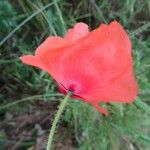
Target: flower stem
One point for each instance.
(56, 119)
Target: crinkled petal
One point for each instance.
(78, 31)
(99, 67)
(95, 66)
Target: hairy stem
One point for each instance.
(56, 119)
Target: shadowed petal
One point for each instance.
(100, 109)
(121, 89)
(99, 67)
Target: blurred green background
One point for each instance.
(29, 97)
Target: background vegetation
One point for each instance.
(29, 97)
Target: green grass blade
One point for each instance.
(26, 20)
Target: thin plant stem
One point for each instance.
(61, 17)
(140, 29)
(56, 119)
(35, 97)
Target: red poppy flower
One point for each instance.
(95, 66)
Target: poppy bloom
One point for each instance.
(94, 66)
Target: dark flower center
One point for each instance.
(71, 89)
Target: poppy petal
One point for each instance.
(123, 89)
(95, 66)
(100, 109)
(51, 43)
(47, 54)
(99, 67)
(78, 31)
(29, 59)
(32, 60)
